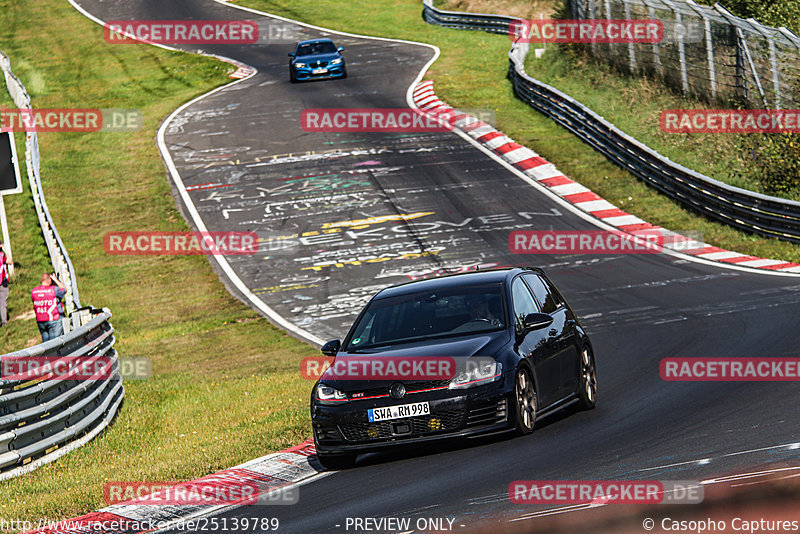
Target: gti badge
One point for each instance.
(397, 391)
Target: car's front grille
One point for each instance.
(487, 413)
(411, 387)
(318, 64)
(440, 421)
(426, 384)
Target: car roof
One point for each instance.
(463, 279)
(312, 41)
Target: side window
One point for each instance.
(523, 302)
(544, 296)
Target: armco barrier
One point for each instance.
(42, 420)
(746, 210)
(466, 21)
(58, 253)
(38, 420)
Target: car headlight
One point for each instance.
(477, 373)
(300, 65)
(336, 61)
(328, 395)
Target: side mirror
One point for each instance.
(340, 49)
(332, 347)
(536, 321)
(291, 54)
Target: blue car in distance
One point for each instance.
(316, 59)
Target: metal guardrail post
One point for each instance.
(773, 60)
(712, 74)
(592, 16)
(752, 65)
(681, 46)
(656, 53)
(631, 49)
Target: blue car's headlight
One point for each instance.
(477, 372)
(328, 395)
(300, 65)
(336, 61)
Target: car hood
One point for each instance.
(317, 57)
(485, 344)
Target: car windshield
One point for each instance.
(429, 314)
(312, 49)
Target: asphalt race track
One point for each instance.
(424, 202)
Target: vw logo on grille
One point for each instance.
(397, 391)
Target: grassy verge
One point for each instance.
(471, 73)
(225, 387)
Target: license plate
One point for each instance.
(398, 412)
(319, 71)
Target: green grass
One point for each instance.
(471, 73)
(634, 105)
(226, 386)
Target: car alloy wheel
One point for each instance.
(588, 385)
(525, 402)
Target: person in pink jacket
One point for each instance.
(48, 305)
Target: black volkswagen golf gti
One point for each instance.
(505, 350)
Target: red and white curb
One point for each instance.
(545, 173)
(277, 471)
(242, 70)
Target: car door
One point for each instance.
(533, 345)
(562, 335)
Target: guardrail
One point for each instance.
(43, 419)
(466, 21)
(55, 247)
(746, 210)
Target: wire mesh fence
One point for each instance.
(706, 53)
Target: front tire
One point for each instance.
(524, 402)
(587, 393)
(334, 462)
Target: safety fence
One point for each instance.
(713, 55)
(55, 247)
(43, 418)
(746, 210)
